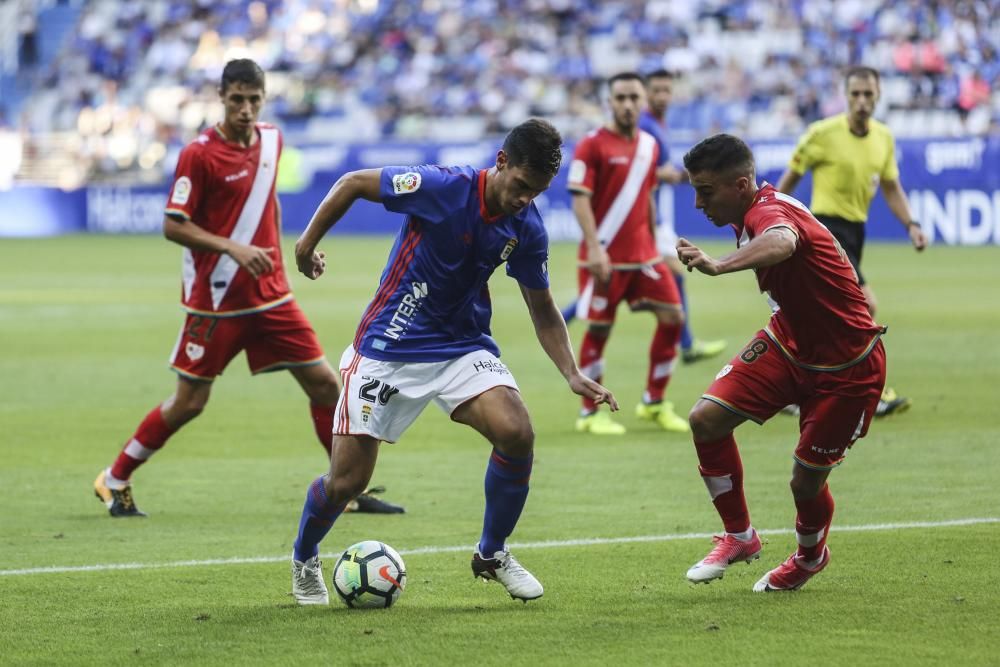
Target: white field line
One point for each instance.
(553, 544)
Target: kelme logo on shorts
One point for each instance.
(404, 183)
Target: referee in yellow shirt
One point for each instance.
(851, 155)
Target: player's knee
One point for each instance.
(599, 330)
(343, 488)
(704, 427)
(806, 486)
(325, 392)
(514, 438)
(186, 410)
(670, 316)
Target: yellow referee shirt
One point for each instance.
(846, 168)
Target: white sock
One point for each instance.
(113, 482)
(810, 564)
(745, 536)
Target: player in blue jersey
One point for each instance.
(653, 119)
(425, 336)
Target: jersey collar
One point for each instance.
(482, 200)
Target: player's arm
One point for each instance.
(900, 207)
(598, 261)
(772, 247)
(668, 173)
(352, 186)
(652, 213)
(789, 181)
(554, 339)
(256, 260)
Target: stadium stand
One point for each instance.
(107, 89)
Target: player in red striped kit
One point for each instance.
(222, 208)
(612, 180)
(820, 350)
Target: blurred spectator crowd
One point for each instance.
(134, 79)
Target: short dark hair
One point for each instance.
(242, 70)
(536, 145)
(719, 153)
(626, 76)
(659, 74)
(863, 71)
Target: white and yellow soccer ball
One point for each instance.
(369, 574)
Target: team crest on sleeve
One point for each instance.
(182, 191)
(507, 249)
(405, 183)
(577, 170)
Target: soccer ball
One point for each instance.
(369, 574)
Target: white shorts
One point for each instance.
(666, 239)
(382, 398)
(666, 233)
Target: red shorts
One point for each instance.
(274, 339)
(651, 287)
(835, 407)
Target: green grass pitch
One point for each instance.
(86, 324)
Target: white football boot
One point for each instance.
(308, 586)
(503, 567)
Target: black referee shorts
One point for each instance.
(851, 236)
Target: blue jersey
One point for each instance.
(433, 303)
(650, 123)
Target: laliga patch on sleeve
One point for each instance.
(405, 183)
(577, 171)
(182, 190)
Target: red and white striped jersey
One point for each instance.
(619, 174)
(228, 190)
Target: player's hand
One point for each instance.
(599, 263)
(312, 264)
(584, 386)
(694, 257)
(917, 237)
(256, 260)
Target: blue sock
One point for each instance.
(506, 490)
(569, 312)
(317, 520)
(687, 340)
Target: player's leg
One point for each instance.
(692, 349)
(500, 416)
(569, 312)
(113, 485)
(654, 289)
(832, 420)
(752, 386)
(722, 472)
(284, 339)
(321, 385)
(597, 305)
(378, 402)
(204, 347)
(352, 463)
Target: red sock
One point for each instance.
(149, 437)
(722, 471)
(812, 524)
(323, 423)
(662, 357)
(592, 362)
